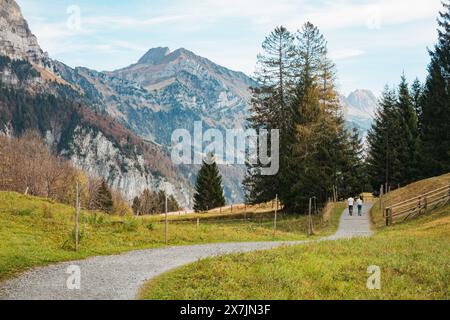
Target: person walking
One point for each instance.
(351, 204)
(360, 206)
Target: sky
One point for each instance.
(372, 42)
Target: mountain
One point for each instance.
(183, 88)
(16, 39)
(34, 94)
(122, 129)
(359, 109)
(165, 91)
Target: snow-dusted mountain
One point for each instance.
(359, 109)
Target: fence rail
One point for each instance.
(413, 207)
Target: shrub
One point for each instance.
(22, 212)
(130, 224)
(47, 212)
(96, 220)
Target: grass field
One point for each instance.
(414, 259)
(408, 192)
(35, 232)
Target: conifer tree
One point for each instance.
(436, 108)
(271, 107)
(354, 177)
(383, 161)
(408, 138)
(208, 188)
(417, 90)
(136, 206)
(313, 136)
(104, 198)
(310, 170)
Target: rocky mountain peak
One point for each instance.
(155, 56)
(364, 100)
(16, 40)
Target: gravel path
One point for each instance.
(120, 277)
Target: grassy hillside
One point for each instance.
(36, 231)
(414, 259)
(406, 193)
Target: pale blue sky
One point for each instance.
(371, 41)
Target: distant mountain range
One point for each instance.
(359, 109)
(129, 114)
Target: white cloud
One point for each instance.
(343, 54)
(110, 22)
(371, 15)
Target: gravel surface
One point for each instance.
(120, 277)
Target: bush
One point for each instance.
(47, 212)
(22, 212)
(150, 227)
(96, 220)
(130, 225)
(69, 244)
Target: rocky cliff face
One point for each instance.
(97, 155)
(16, 39)
(36, 96)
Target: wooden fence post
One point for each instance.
(77, 208)
(166, 231)
(389, 217)
(275, 221)
(309, 218)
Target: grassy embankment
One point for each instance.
(414, 258)
(35, 232)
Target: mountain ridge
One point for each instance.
(38, 93)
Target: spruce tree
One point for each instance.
(407, 139)
(308, 113)
(104, 198)
(354, 177)
(208, 189)
(382, 160)
(417, 90)
(271, 107)
(436, 107)
(136, 206)
(310, 170)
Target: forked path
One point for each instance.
(120, 277)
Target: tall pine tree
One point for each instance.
(310, 170)
(271, 107)
(417, 90)
(308, 113)
(407, 140)
(436, 107)
(382, 159)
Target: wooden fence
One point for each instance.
(413, 207)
